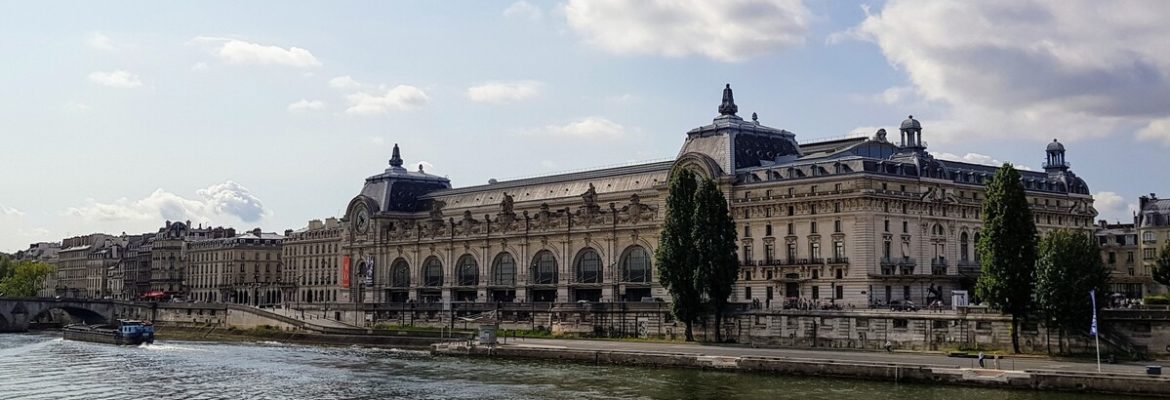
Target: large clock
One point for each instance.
(361, 219)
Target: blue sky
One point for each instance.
(118, 116)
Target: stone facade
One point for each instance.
(84, 264)
(312, 265)
(242, 269)
(1119, 252)
(1153, 225)
(169, 260)
(851, 222)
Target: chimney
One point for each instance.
(1102, 223)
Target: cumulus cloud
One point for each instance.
(730, 31)
(1011, 68)
(588, 127)
(17, 232)
(115, 79)
(976, 158)
(344, 82)
(215, 202)
(306, 105)
(1156, 130)
(100, 41)
(504, 92)
(399, 98)
(239, 52)
(5, 210)
(523, 9)
(1113, 207)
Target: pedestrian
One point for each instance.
(889, 346)
(981, 359)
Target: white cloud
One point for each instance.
(1012, 68)
(504, 92)
(377, 140)
(214, 203)
(199, 66)
(100, 41)
(1113, 207)
(976, 158)
(1156, 130)
(624, 98)
(234, 51)
(344, 82)
(523, 9)
(116, 79)
(306, 105)
(400, 98)
(77, 106)
(589, 127)
(730, 30)
(5, 210)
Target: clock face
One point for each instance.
(361, 219)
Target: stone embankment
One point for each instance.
(1070, 381)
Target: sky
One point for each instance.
(118, 116)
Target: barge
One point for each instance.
(122, 332)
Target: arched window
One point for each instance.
(433, 272)
(964, 247)
(467, 271)
(636, 265)
(977, 256)
(588, 266)
(544, 268)
(504, 270)
(400, 274)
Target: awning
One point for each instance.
(154, 294)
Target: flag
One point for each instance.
(1093, 297)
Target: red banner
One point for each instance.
(345, 272)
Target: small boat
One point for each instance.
(123, 331)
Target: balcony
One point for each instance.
(839, 260)
(816, 261)
(907, 262)
(939, 262)
(886, 262)
(795, 261)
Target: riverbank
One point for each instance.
(262, 333)
(1031, 374)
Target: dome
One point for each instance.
(911, 123)
(1055, 146)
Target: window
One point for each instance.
(636, 265)
(1129, 257)
(904, 209)
(838, 250)
(815, 250)
(467, 271)
(747, 276)
(837, 226)
(433, 272)
(747, 231)
(816, 292)
(1112, 258)
(768, 293)
(840, 273)
(901, 323)
(747, 254)
(812, 208)
(588, 266)
(504, 270)
(816, 274)
(544, 268)
(813, 227)
(400, 274)
(840, 293)
(747, 292)
(768, 230)
(769, 252)
(906, 292)
(886, 250)
(813, 189)
(905, 227)
(964, 247)
(837, 207)
(791, 253)
(791, 229)
(886, 225)
(791, 211)
(837, 187)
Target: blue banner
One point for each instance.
(1093, 328)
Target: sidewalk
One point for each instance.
(1008, 363)
(311, 317)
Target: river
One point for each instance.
(43, 366)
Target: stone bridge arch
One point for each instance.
(17, 313)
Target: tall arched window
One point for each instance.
(504, 270)
(467, 271)
(433, 272)
(977, 256)
(964, 247)
(588, 266)
(636, 265)
(400, 274)
(544, 268)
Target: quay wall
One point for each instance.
(1136, 385)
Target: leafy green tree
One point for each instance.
(714, 238)
(1069, 266)
(676, 255)
(1007, 248)
(25, 280)
(1162, 266)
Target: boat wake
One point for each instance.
(165, 347)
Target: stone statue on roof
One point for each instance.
(506, 204)
(590, 196)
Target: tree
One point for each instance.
(1069, 266)
(676, 254)
(714, 237)
(1007, 248)
(1162, 266)
(25, 279)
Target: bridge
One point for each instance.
(17, 313)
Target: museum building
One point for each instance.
(851, 222)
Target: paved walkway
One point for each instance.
(319, 318)
(1022, 363)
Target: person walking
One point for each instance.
(981, 359)
(889, 346)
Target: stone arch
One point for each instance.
(701, 164)
(85, 315)
(503, 269)
(466, 271)
(636, 265)
(432, 272)
(400, 273)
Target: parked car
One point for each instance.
(903, 305)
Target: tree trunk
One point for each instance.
(1015, 334)
(718, 326)
(690, 332)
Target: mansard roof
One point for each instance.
(552, 187)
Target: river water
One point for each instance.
(43, 366)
